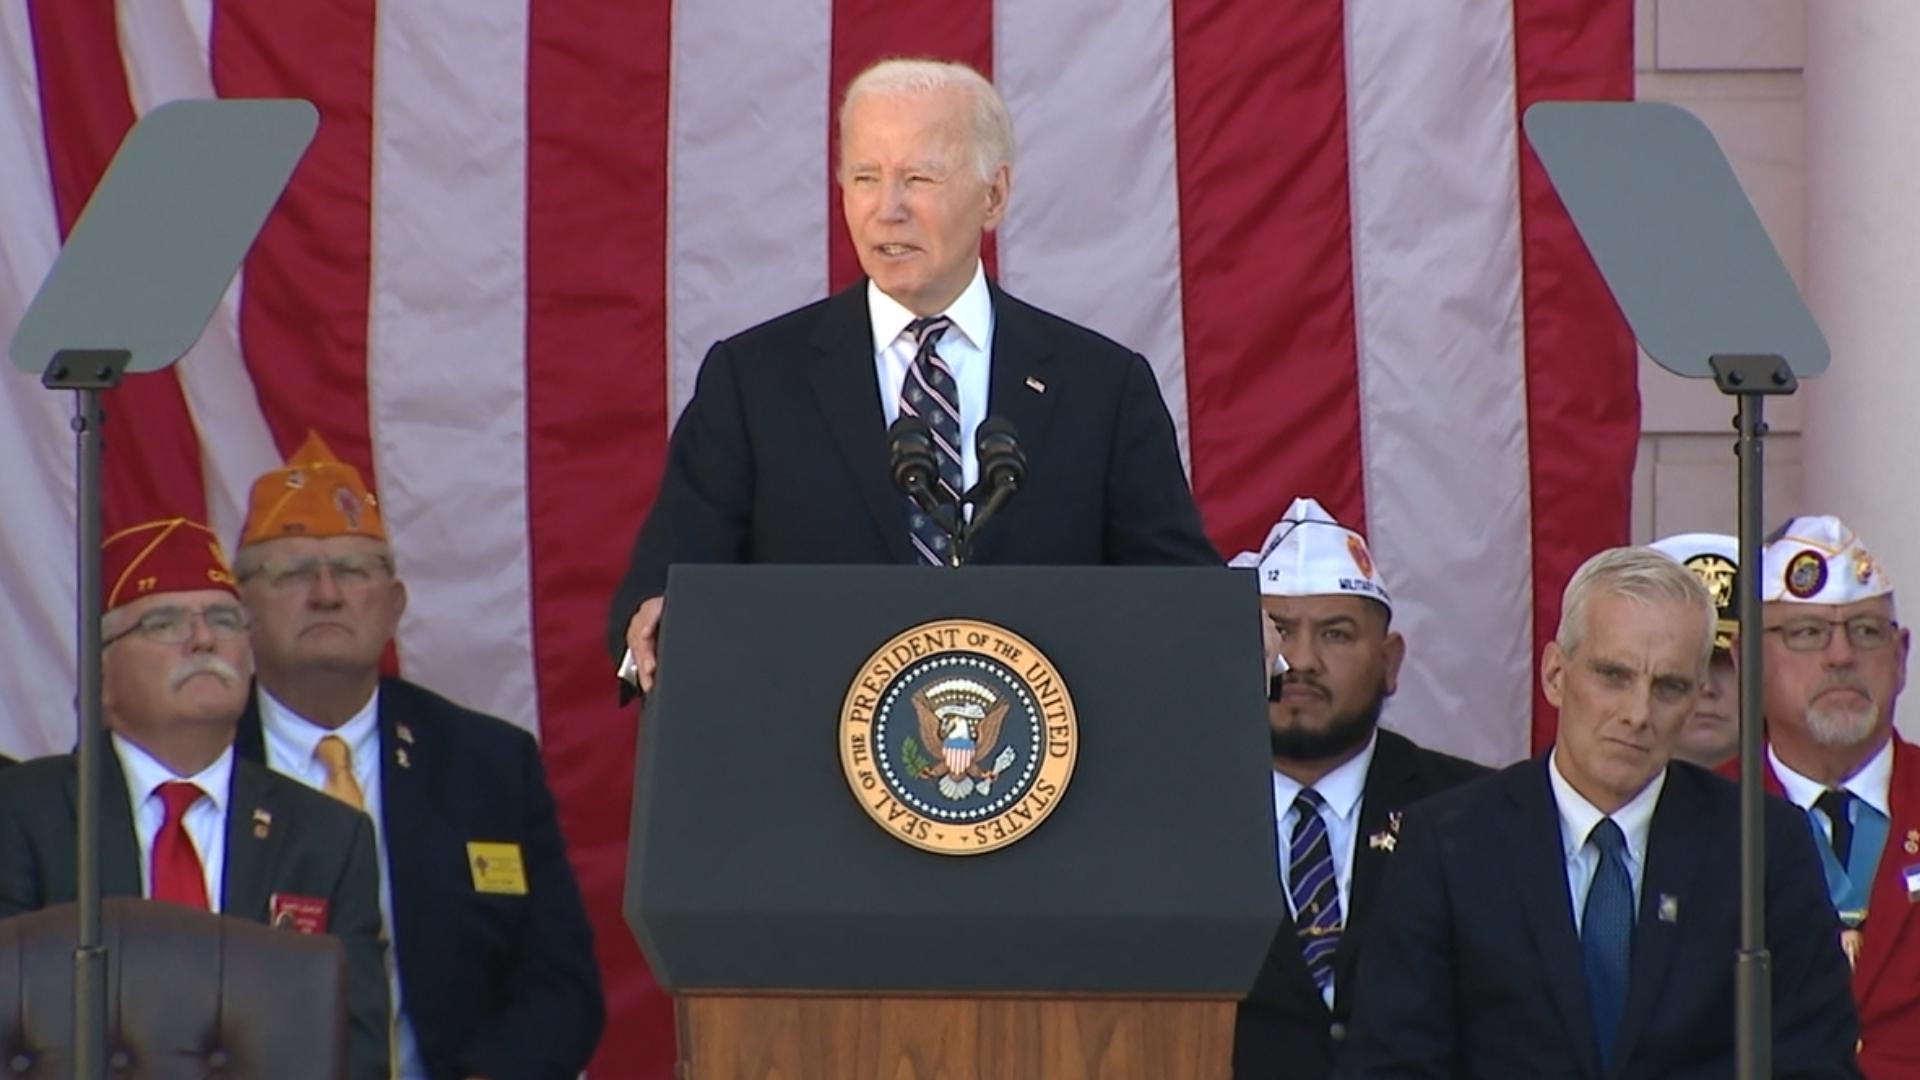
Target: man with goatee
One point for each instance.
(1341, 785)
(1834, 660)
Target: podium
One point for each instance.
(820, 735)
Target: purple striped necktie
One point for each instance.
(930, 393)
(1314, 888)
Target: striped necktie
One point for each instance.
(930, 393)
(1315, 891)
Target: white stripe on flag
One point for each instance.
(446, 358)
(747, 189)
(1093, 226)
(38, 636)
(165, 46)
(1436, 212)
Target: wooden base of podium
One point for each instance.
(756, 1037)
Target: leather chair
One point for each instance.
(189, 995)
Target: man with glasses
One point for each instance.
(494, 973)
(1834, 660)
(182, 821)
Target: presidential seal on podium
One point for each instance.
(958, 737)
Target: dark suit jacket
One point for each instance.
(781, 456)
(314, 847)
(495, 985)
(1284, 1028)
(1473, 968)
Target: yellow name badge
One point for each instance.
(497, 868)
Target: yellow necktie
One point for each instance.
(338, 759)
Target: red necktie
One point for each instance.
(177, 877)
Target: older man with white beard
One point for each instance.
(1834, 660)
(182, 821)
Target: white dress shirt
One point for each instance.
(1872, 785)
(206, 819)
(291, 741)
(967, 349)
(1577, 819)
(1341, 789)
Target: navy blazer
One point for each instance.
(1284, 1028)
(781, 456)
(314, 846)
(495, 985)
(1473, 968)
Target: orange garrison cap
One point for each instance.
(168, 555)
(315, 494)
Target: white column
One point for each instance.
(1861, 440)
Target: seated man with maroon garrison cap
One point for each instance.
(182, 820)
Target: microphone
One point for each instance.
(915, 471)
(1003, 468)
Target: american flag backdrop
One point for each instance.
(522, 222)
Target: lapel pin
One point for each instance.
(262, 823)
(1669, 908)
(400, 758)
(1388, 838)
(405, 733)
(1036, 385)
(1912, 845)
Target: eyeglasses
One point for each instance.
(174, 625)
(1864, 632)
(347, 571)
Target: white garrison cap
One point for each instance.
(1715, 559)
(1818, 560)
(1307, 553)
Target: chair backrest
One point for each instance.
(189, 994)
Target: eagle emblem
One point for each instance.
(959, 728)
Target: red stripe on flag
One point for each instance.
(598, 81)
(1583, 399)
(151, 467)
(865, 31)
(1273, 401)
(303, 312)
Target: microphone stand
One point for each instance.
(998, 489)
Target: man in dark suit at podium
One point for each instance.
(1578, 914)
(1341, 786)
(781, 456)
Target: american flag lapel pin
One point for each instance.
(262, 824)
(1036, 385)
(1669, 908)
(404, 732)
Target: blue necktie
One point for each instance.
(1833, 802)
(1606, 934)
(1315, 892)
(929, 393)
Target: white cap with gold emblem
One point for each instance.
(1308, 553)
(1818, 560)
(1715, 559)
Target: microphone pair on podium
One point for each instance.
(916, 472)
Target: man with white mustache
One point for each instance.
(1834, 660)
(183, 821)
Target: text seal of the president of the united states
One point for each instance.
(958, 736)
